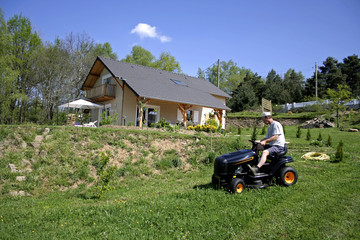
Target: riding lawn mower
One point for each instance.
(232, 170)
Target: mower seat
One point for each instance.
(282, 153)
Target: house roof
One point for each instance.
(158, 84)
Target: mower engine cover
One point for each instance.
(228, 163)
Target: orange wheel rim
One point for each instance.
(289, 177)
(239, 188)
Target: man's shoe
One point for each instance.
(254, 170)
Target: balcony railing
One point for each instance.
(103, 92)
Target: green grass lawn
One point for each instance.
(149, 202)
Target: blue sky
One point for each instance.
(257, 34)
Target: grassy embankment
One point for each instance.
(162, 188)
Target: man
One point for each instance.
(273, 143)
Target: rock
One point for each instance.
(46, 131)
(17, 193)
(26, 162)
(23, 145)
(35, 145)
(317, 123)
(13, 168)
(20, 178)
(39, 138)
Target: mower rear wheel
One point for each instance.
(237, 185)
(288, 176)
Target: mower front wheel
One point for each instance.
(237, 185)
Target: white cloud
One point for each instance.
(144, 30)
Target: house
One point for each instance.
(142, 94)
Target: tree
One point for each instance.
(331, 73)
(82, 51)
(167, 62)
(338, 98)
(230, 75)
(143, 57)
(53, 72)
(293, 83)
(243, 98)
(8, 88)
(140, 56)
(257, 84)
(274, 89)
(24, 44)
(351, 69)
(105, 50)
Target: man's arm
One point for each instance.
(265, 141)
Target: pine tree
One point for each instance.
(339, 155)
(298, 133)
(308, 135)
(239, 130)
(254, 133)
(319, 137)
(329, 141)
(263, 130)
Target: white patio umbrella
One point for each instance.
(81, 104)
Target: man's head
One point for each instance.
(266, 117)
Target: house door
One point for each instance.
(151, 114)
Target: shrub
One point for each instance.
(212, 122)
(263, 130)
(130, 124)
(308, 135)
(105, 173)
(210, 158)
(107, 120)
(339, 155)
(239, 130)
(204, 128)
(329, 141)
(298, 133)
(319, 137)
(254, 133)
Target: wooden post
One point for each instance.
(184, 108)
(219, 115)
(142, 104)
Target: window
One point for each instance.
(106, 79)
(178, 82)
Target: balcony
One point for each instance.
(101, 93)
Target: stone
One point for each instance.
(46, 131)
(317, 123)
(13, 168)
(26, 162)
(35, 145)
(17, 193)
(20, 178)
(23, 145)
(39, 138)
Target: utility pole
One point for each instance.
(316, 83)
(218, 75)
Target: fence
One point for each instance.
(354, 103)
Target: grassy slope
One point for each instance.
(175, 203)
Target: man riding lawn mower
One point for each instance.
(245, 168)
